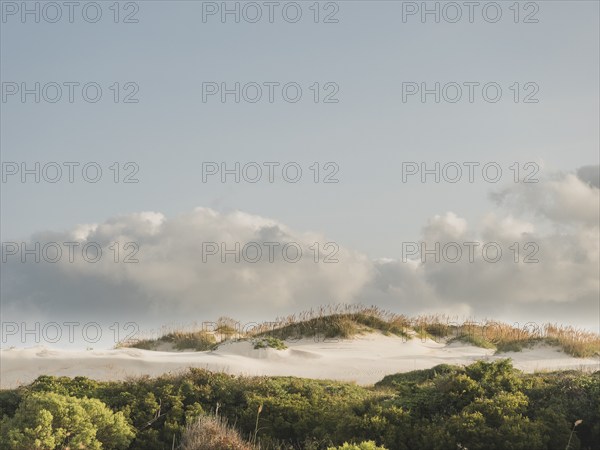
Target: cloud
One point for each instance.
(172, 281)
(590, 175)
(571, 198)
(552, 230)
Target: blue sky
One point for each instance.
(369, 133)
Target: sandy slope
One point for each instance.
(365, 360)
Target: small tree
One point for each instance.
(48, 421)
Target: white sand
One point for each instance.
(364, 360)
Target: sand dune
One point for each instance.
(365, 360)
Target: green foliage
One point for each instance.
(495, 377)
(512, 346)
(54, 421)
(269, 342)
(481, 406)
(417, 376)
(9, 402)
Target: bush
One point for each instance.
(418, 376)
(47, 421)
(212, 433)
(269, 342)
(480, 406)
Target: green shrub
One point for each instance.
(486, 405)
(517, 345)
(47, 421)
(269, 342)
(418, 376)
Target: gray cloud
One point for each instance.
(172, 283)
(590, 174)
(562, 198)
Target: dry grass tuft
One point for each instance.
(573, 341)
(212, 433)
(506, 338)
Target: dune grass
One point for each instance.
(573, 341)
(339, 321)
(513, 338)
(347, 321)
(477, 341)
(180, 340)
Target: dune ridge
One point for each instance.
(364, 359)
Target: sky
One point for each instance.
(360, 128)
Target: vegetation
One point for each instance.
(477, 341)
(481, 406)
(340, 321)
(507, 338)
(212, 433)
(346, 321)
(46, 420)
(178, 340)
(269, 342)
